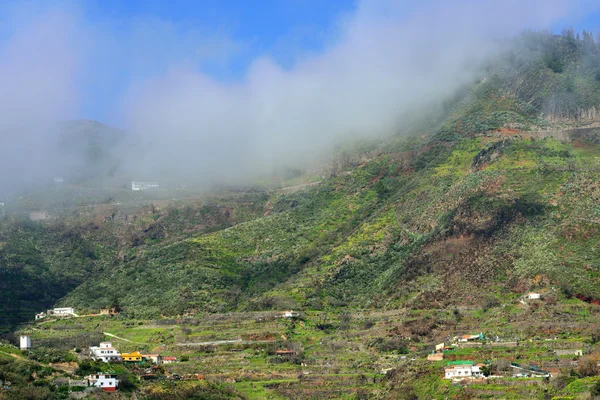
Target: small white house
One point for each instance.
(41, 315)
(143, 185)
(290, 314)
(105, 352)
(462, 370)
(108, 382)
(61, 312)
(533, 296)
(25, 342)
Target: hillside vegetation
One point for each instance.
(499, 198)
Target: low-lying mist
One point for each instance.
(383, 66)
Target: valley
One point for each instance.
(454, 259)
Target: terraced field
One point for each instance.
(353, 354)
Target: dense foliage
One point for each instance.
(481, 202)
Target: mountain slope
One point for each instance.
(483, 204)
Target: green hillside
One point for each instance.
(455, 206)
(499, 198)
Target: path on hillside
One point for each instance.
(212, 343)
(22, 358)
(219, 342)
(295, 188)
(15, 356)
(123, 339)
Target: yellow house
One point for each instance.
(135, 356)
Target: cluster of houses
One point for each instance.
(107, 353)
(70, 312)
(469, 370)
(57, 312)
(461, 370)
(438, 354)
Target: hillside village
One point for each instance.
(295, 348)
(455, 261)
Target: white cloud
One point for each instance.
(386, 60)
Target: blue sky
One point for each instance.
(284, 30)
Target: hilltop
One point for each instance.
(424, 235)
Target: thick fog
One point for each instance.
(382, 65)
(38, 65)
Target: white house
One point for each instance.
(105, 352)
(290, 314)
(61, 312)
(25, 342)
(108, 382)
(143, 185)
(40, 315)
(533, 296)
(462, 369)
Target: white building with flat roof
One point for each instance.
(105, 352)
(461, 370)
(290, 314)
(144, 185)
(64, 311)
